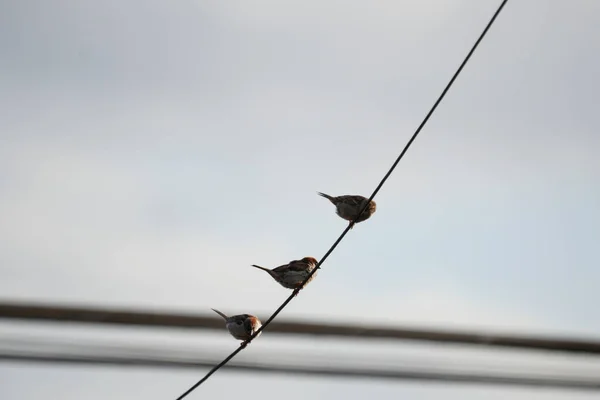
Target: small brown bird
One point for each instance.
(349, 206)
(292, 274)
(242, 326)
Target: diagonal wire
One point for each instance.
(339, 239)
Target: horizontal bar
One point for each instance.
(390, 375)
(38, 312)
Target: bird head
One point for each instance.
(373, 206)
(310, 260)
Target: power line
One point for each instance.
(339, 239)
(64, 314)
(397, 374)
(459, 362)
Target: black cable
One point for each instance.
(37, 312)
(339, 239)
(554, 381)
(207, 356)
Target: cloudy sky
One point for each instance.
(151, 151)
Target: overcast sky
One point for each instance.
(150, 151)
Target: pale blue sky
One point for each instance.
(151, 151)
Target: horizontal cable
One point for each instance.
(537, 381)
(38, 312)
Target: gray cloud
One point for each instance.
(151, 152)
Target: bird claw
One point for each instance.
(244, 344)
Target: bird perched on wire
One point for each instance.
(348, 207)
(293, 274)
(242, 326)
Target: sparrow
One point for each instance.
(293, 274)
(348, 207)
(242, 326)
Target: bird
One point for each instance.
(348, 207)
(294, 273)
(242, 326)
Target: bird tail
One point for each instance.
(220, 313)
(330, 198)
(263, 268)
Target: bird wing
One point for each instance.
(352, 200)
(296, 266)
(281, 268)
